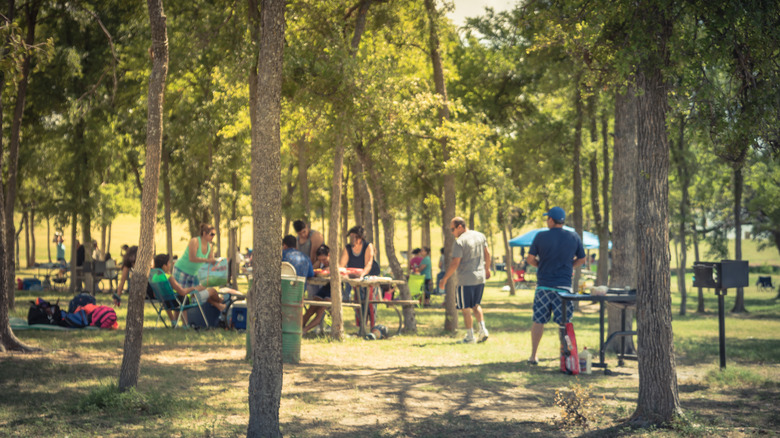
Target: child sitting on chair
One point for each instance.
(210, 295)
(323, 294)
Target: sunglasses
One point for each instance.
(212, 234)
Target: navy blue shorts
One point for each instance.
(324, 292)
(467, 297)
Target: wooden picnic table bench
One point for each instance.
(362, 283)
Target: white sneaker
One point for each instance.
(482, 336)
(468, 340)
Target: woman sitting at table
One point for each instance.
(359, 254)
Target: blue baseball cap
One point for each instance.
(556, 213)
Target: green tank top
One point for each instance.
(185, 265)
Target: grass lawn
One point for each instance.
(194, 383)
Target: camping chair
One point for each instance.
(417, 288)
(111, 274)
(167, 296)
(60, 280)
(764, 284)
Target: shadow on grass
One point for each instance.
(698, 350)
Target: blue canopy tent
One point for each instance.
(589, 240)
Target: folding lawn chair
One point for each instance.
(169, 299)
(417, 288)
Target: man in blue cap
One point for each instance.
(555, 252)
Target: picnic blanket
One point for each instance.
(21, 324)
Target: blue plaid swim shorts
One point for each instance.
(547, 302)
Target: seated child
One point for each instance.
(323, 294)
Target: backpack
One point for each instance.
(42, 312)
(77, 319)
(104, 317)
(80, 300)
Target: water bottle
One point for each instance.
(586, 361)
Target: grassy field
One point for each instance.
(194, 383)
(126, 231)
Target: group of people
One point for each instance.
(307, 251)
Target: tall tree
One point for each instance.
(131, 359)
(448, 204)
(265, 381)
(658, 402)
(31, 15)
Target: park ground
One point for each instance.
(194, 383)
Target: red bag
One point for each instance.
(570, 359)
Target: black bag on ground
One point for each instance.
(42, 312)
(80, 300)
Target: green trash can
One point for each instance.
(292, 314)
(292, 319)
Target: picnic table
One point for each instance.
(625, 299)
(362, 297)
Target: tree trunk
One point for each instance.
(48, 238)
(377, 239)
(233, 244)
(448, 204)
(31, 12)
(303, 176)
(108, 244)
(425, 228)
(658, 402)
(31, 228)
(265, 381)
(74, 278)
(357, 194)
(508, 262)
(131, 359)
(166, 180)
(216, 210)
(594, 202)
(603, 263)
(409, 243)
(22, 227)
(410, 323)
(344, 211)
(103, 239)
(624, 250)
(680, 160)
(577, 172)
(739, 300)
(28, 262)
(472, 212)
(700, 296)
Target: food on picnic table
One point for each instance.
(321, 272)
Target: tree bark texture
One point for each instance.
(623, 272)
(31, 12)
(448, 204)
(265, 381)
(658, 402)
(131, 359)
(700, 292)
(233, 244)
(388, 223)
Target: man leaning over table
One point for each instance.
(555, 252)
(470, 259)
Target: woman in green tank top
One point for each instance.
(198, 251)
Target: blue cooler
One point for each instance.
(238, 316)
